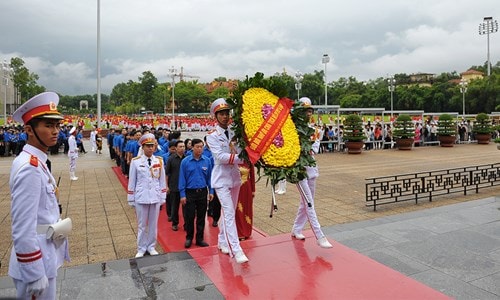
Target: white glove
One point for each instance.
(37, 287)
(131, 204)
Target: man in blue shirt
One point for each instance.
(194, 187)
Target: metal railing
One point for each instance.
(427, 185)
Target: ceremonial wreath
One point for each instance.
(272, 129)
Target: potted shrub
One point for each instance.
(446, 130)
(353, 134)
(404, 131)
(482, 128)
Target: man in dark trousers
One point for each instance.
(172, 170)
(195, 189)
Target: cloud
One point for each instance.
(365, 39)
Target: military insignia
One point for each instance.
(52, 106)
(34, 161)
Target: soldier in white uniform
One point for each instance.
(307, 189)
(226, 178)
(35, 259)
(93, 135)
(72, 153)
(147, 189)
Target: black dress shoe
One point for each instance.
(188, 243)
(202, 244)
(170, 219)
(214, 224)
(175, 228)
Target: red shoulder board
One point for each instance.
(211, 131)
(34, 161)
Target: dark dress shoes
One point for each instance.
(202, 244)
(188, 243)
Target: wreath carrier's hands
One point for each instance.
(37, 287)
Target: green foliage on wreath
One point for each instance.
(276, 86)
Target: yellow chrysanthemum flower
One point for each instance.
(285, 149)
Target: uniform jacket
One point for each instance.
(73, 149)
(226, 171)
(147, 185)
(34, 202)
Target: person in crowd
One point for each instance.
(172, 170)
(166, 155)
(92, 139)
(226, 178)
(307, 189)
(195, 189)
(79, 141)
(147, 188)
(109, 138)
(189, 146)
(72, 153)
(34, 258)
(2, 141)
(23, 137)
(98, 141)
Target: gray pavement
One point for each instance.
(451, 244)
(454, 249)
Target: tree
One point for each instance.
(220, 92)
(147, 85)
(24, 81)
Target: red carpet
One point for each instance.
(283, 268)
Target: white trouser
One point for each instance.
(147, 223)
(48, 294)
(72, 163)
(228, 234)
(305, 212)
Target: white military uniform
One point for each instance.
(34, 204)
(308, 186)
(93, 141)
(147, 190)
(73, 155)
(226, 180)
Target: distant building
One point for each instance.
(7, 89)
(230, 84)
(422, 79)
(471, 75)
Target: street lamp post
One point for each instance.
(298, 83)
(488, 26)
(172, 74)
(392, 84)
(463, 90)
(6, 71)
(326, 60)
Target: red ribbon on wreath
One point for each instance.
(263, 138)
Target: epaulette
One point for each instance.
(137, 157)
(34, 161)
(211, 131)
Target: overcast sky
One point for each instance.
(366, 39)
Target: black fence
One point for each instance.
(427, 185)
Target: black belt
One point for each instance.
(200, 190)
